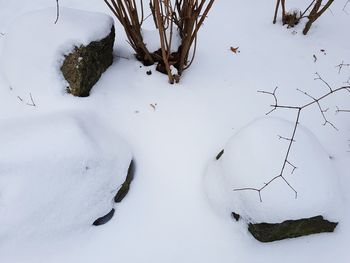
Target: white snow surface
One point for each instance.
(174, 131)
(34, 46)
(59, 173)
(255, 155)
(151, 39)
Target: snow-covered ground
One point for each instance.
(175, 132)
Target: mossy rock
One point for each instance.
(83, 67)
(104, 219)
(124, 189)
(122, 192)
(266, 232)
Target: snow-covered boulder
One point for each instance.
(253, 157)
(58, 173)
(35, 47)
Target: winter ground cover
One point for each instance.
(175, 132)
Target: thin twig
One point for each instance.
(118, 56)
(32, 103)
(341, 65)
(307, 9)
(344, 8)
(340, 110)
(57, 12)
(320, 78)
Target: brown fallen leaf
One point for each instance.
(235, 50)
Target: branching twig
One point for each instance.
(342, 64)
(31, 103)
(299, 109)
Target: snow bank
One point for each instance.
(34, 46)
(58, 173)
(254, 156)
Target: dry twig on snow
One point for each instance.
(57, 12)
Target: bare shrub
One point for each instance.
(315, 9)
(184, 16)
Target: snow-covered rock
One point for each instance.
(84, 66)
(58, 173)
(253, 156)
(34, 47)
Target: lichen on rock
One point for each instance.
(267, 232)
(83, 67)
(124, 189)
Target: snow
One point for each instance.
(59, 173)
(34, 47)
(315, 180)
(151, 36)
(166, 217)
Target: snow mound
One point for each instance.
(34, 46)
(58, 173)
(254, 156)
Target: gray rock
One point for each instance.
(124, 189)
(104, 219)
(266, 232)
(83, 67)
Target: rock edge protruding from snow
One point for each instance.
(34, 47)
(253, 156)
(58, 173)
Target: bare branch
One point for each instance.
(341, 65)
(291, 139)
(31, 103)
